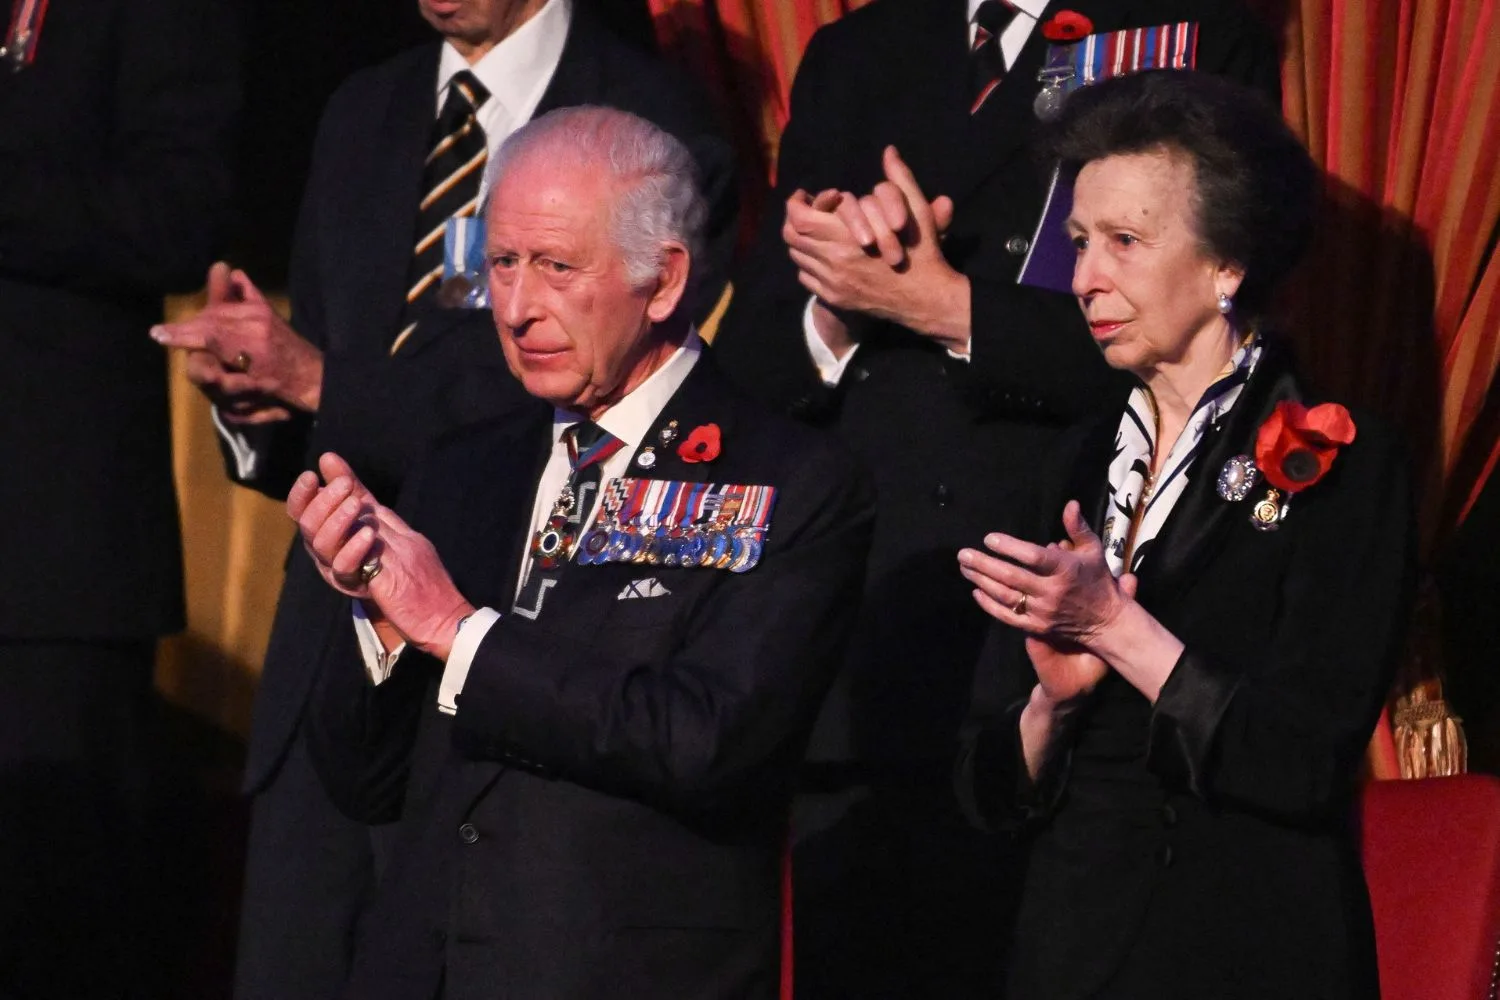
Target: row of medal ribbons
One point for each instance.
(680, 524)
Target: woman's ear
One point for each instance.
(1227, 279)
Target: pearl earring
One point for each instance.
(1225, 303)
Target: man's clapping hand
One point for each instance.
(364, 550)
(247, 359)
(878, 255)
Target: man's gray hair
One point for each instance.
(654, 172)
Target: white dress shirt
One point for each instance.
(830, 366)
(516, 73)
(631, 420)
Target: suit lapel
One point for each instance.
(497, 512)
(698, 401)
(1199, 521)
(397, 184)
(1089, 482)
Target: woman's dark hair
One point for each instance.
(1257, 189)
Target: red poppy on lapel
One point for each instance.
(700, 446)
(1296, 446)
(1067, 26)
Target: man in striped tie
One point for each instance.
(384, 352)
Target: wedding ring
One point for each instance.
(369, 570)
(240, 362)
(1020, 606)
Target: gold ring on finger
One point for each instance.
(240, 362)
(1020, 606)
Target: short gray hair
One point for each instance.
(653, 171)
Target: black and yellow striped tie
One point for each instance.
(450, 186)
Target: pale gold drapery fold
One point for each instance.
(234, 543)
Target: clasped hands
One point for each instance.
(247, 359)
(1062, 595)
(364, 550)
(880, 256)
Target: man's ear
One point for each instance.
(671, 282)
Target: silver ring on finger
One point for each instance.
(369, 570)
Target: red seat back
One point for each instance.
(1431, 850)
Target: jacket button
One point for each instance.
(941, 494)
(860, 373)
(1018, 245)
(468, 833)
(1169, 815)
(1164, 856)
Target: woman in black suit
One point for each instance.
(1172, 708)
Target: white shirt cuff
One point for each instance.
(830, 366)
(245, 458)
(461, 657)
(378, 662)
(968, 350)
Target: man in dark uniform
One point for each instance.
(381, 356)
(601, 658)
(918, 346)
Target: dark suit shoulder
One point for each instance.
(381, 77)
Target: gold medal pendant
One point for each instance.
(1268, 514)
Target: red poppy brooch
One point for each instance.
(1294, 448)
(1067, 26)
(702, 445)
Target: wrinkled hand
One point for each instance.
(880, 255)
(1070, 594)
(1065, 671)
(345, 528)
(243, 355)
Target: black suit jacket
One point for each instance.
(951, 443)
(1200, 847)
(348, 282)
(114, 190)
(609, 815)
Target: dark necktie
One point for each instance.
(986, 62)
(450, 187)
(588, 446)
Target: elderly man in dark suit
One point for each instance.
(381, 356)
(116, 124)
(600, 659)
(884, 303)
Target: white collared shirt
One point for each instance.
(516, 72)
(1012, 40)
(632, 420)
